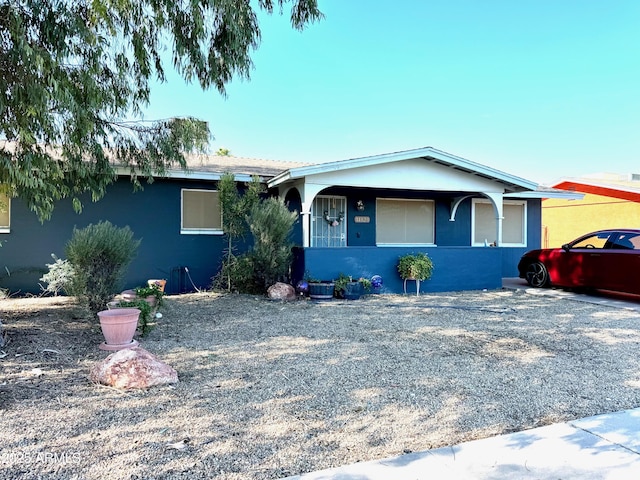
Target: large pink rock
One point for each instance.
(281, 291)
(132, 368)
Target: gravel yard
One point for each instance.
(270, 389)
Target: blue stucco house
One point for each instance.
(357, 217)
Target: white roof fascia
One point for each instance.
(540, 194)
(192, 175)
(443, 157)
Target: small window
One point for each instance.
(201, 213)
(514, 223)
(405, 221)
(5, 213)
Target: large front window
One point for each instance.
(328, 222)
(201, 212)
(405, 222)
(514, 223)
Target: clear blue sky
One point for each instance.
(540, 89)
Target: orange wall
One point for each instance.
(563, 221)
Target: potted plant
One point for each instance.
(415, 266)
(348, 288)
(321, 290)
(152, 294)
(160, 283)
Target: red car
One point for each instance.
(606, 260)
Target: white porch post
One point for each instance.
(308, 192)
(497, 200)
(306, 224)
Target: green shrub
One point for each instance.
(270, 223)
(99, 255)
(237, 274)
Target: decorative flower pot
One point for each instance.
(353, 291)
(161, 283)
(118, 327)
(130, 296)
(321, 291)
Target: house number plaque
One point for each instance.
(361, 219)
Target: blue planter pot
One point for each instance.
(321, 291)
(353, 291)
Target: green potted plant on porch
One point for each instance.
(415, 266)
(349, 289)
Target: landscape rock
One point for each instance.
(281, 291)
(132, 368)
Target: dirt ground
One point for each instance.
(270, 389)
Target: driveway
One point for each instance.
(600, 297)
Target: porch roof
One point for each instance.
(431, 155)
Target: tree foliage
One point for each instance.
(73, 73)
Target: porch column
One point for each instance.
(497, 199)
(308, 192)
(306, 225)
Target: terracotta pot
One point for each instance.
(118, 327)
(130, 296)
(160, 283)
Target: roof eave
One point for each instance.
(193, 175)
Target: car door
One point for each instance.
(619, 269)
(579, 264)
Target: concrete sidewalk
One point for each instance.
(600, 447)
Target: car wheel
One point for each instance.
(537, 275)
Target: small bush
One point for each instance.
(99, 255)
(59, 276)
(243, 275)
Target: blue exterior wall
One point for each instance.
(153, 215)
(455, 268)
(190, 261)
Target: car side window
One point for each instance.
(627, 241)
(594, 241)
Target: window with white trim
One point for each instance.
(328, 221)
(5, 213)
(405, 221)
(514, 223)
(201, 212)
